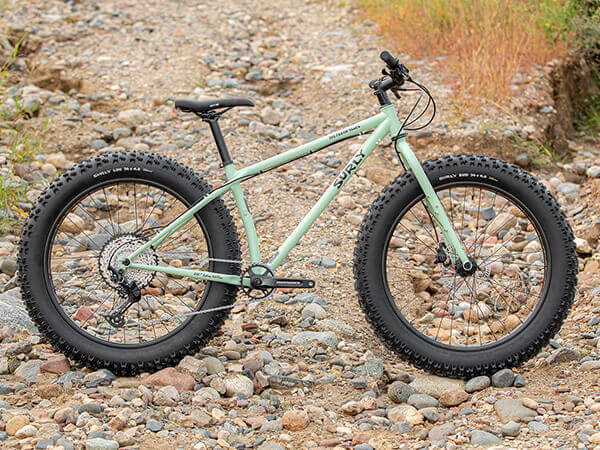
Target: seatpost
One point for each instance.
(212, 120)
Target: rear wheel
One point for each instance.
(435, 315)
(103, 209)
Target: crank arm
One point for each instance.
(282, 282)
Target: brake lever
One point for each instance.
(396, 93)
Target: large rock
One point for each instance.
(324, 337)
(171, 377)
(15, 424)
(213, 365)
(434, 385)
(477, 384)
(337, 326)
(58, 364)
(502, 222)
(513, 409)
(503, 378)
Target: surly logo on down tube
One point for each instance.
(349, 169)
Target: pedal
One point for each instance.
(291, 283)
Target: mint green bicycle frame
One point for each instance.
(385, 123)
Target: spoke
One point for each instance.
(109, 214)
(151, 211)
(477, 223)
(452, 289)
(135, 207)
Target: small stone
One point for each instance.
(519, 381)
(61, 415)
(591, 365)
(193, 367)
(132, 117)
(406, 413)
(593, 172)
(295, 420)
(154, 426)
(270, 116)
(513, 409)
(101, 444)
(26, 431)
(477, 384)
(511, 429)
(49, 390)
(352, 408)
(434, 385)
(58, 365)
(400, 392)
(421, 401)
(453, 397)
(238, 384)
(324, 337)
(29, 370)
(440, 433)
(314, 310)
(537, 426)
(213, 365)
(503, 378)
(484, 439)
(171, 377)
(8, 266)
(98, 144)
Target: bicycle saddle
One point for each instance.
(202, 106)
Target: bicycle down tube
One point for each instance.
(384, 123)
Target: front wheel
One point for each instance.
(444, 320)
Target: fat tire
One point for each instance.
(77, 345)
(413, 347)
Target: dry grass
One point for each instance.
(485, 42)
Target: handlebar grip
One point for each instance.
(391, 61)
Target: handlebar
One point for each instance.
(390, 60)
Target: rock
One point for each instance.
(336, 326)
(421, 401)
(29, 370)
(15, 423)
(537, 426)
(373, 368)
(510, 429)
(314, 310)
(593, 172)
(405, 413)
(295, 420)
(502, 222)
(61, 415)
(48, 169)
(49, 390)
(484, 439)
(561, 355)
(59, 365)
(99, 378)
(58, 160)
(270, 446)
(132, 117)
(400, 392)
(193, 367)
(568, 188)
(519, 381)
(98, 144)
(324, 337)
(8, 266)
(238, 384)
(477, 384)
(583, 246)
(166, 396)
(270, 116)
(503, 378)
(591, 365)
(26, 431)
(101, 444)
(352, 408)
(439, 434)
(434, 385)
(213, 365)
(171, 377)
(154, 426)
(453, 397)
(510, 409)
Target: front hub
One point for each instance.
(466, 270)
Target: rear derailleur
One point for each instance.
(130, 291)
